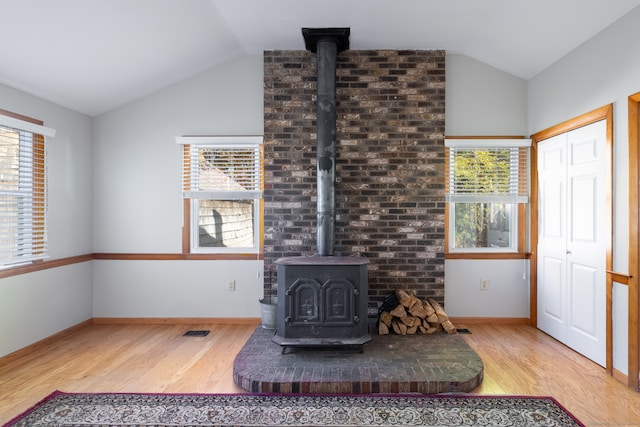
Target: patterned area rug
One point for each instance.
(163, 410)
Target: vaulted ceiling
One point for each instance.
(96, 55)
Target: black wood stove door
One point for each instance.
(322, 301)
(311, 302)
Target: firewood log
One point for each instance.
(413, 315)
(404, 297)
(399, 311)
(414, 300)
(403, 328)
(448, 326)
(383, 329)
(428, 307)
(442, 316)
(408, 320)
(418, 310)
(433, 318)
(399, 327)
(396, 327)
(386, 318)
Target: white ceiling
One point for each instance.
(96, 55)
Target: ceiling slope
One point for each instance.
(96, 55)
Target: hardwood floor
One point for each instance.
(519, 360)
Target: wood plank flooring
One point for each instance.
(519, 360)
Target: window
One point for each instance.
(486, 185)
(23, 190)
(222, 183)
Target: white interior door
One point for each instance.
(552, 237)
(572, 239)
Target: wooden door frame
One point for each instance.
(598, 114)
(634, 240)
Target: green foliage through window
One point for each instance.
(485, 185)
(482, 171)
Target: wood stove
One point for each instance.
(322, 301)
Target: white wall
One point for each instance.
(138, 204)
(604, 70)
(482, 100)
(36, 305)
(181, 289)
(506, 296)
(620, 319)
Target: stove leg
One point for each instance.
(288, 350)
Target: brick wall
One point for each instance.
(389, 164)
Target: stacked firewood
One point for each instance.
(414, 315)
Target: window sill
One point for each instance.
(487, 255)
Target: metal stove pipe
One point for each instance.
(326, 146)
(326, 42)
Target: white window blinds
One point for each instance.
(23, 191)
(222, 168)
(487, 171)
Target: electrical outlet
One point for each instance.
(231, 286)
(484, 284)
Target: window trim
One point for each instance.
(188, 214)
(521, 220)
(38, 227)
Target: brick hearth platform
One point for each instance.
(426, 364)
